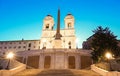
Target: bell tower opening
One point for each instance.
(69, 21)
(69, 25)
(47, 26)
(48, 23)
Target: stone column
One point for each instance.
(26, 58)
(77, 61)
(39, 61)
(52, 61)
(41, 64)
(80, 61)
(66, 60)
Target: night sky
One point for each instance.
(24, 18)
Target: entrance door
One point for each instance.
(71, 62)
(47, 62)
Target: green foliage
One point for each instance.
(103, 40)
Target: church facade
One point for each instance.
(56, 49)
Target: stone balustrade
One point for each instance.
(13, 71)
(37, 52)
(104, 72)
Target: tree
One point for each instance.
(103, 40)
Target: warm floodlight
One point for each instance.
(77, 43)
(44, 40)
(108, 55)
(76, 40)
(10, 55)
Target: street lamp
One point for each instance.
(108, 55)
(9, 56)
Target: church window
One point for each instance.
(47, 26)
(69, 43)
(69, 25)
(70, 47)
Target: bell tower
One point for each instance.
(69, 21)
(48, 23)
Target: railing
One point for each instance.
(13, 70)
(37, 52)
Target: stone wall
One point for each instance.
(86, 61)
(57, 59)
(104, 72)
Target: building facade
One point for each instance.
(56, 49)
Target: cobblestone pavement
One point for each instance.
(64, 72)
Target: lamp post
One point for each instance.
(108, 55)
(9, 56)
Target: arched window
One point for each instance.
(69, 45)
(69, 25)
(47, 26)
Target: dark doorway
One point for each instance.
(47, 62)
(71, 62)
(33, 61)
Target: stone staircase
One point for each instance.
(12, 64)
(62, 72)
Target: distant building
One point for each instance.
(56, 49)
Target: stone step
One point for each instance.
(61, 72)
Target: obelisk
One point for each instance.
(58, 41)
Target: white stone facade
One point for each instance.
(68, 39)
(49, 51)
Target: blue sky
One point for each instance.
(24, 18)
